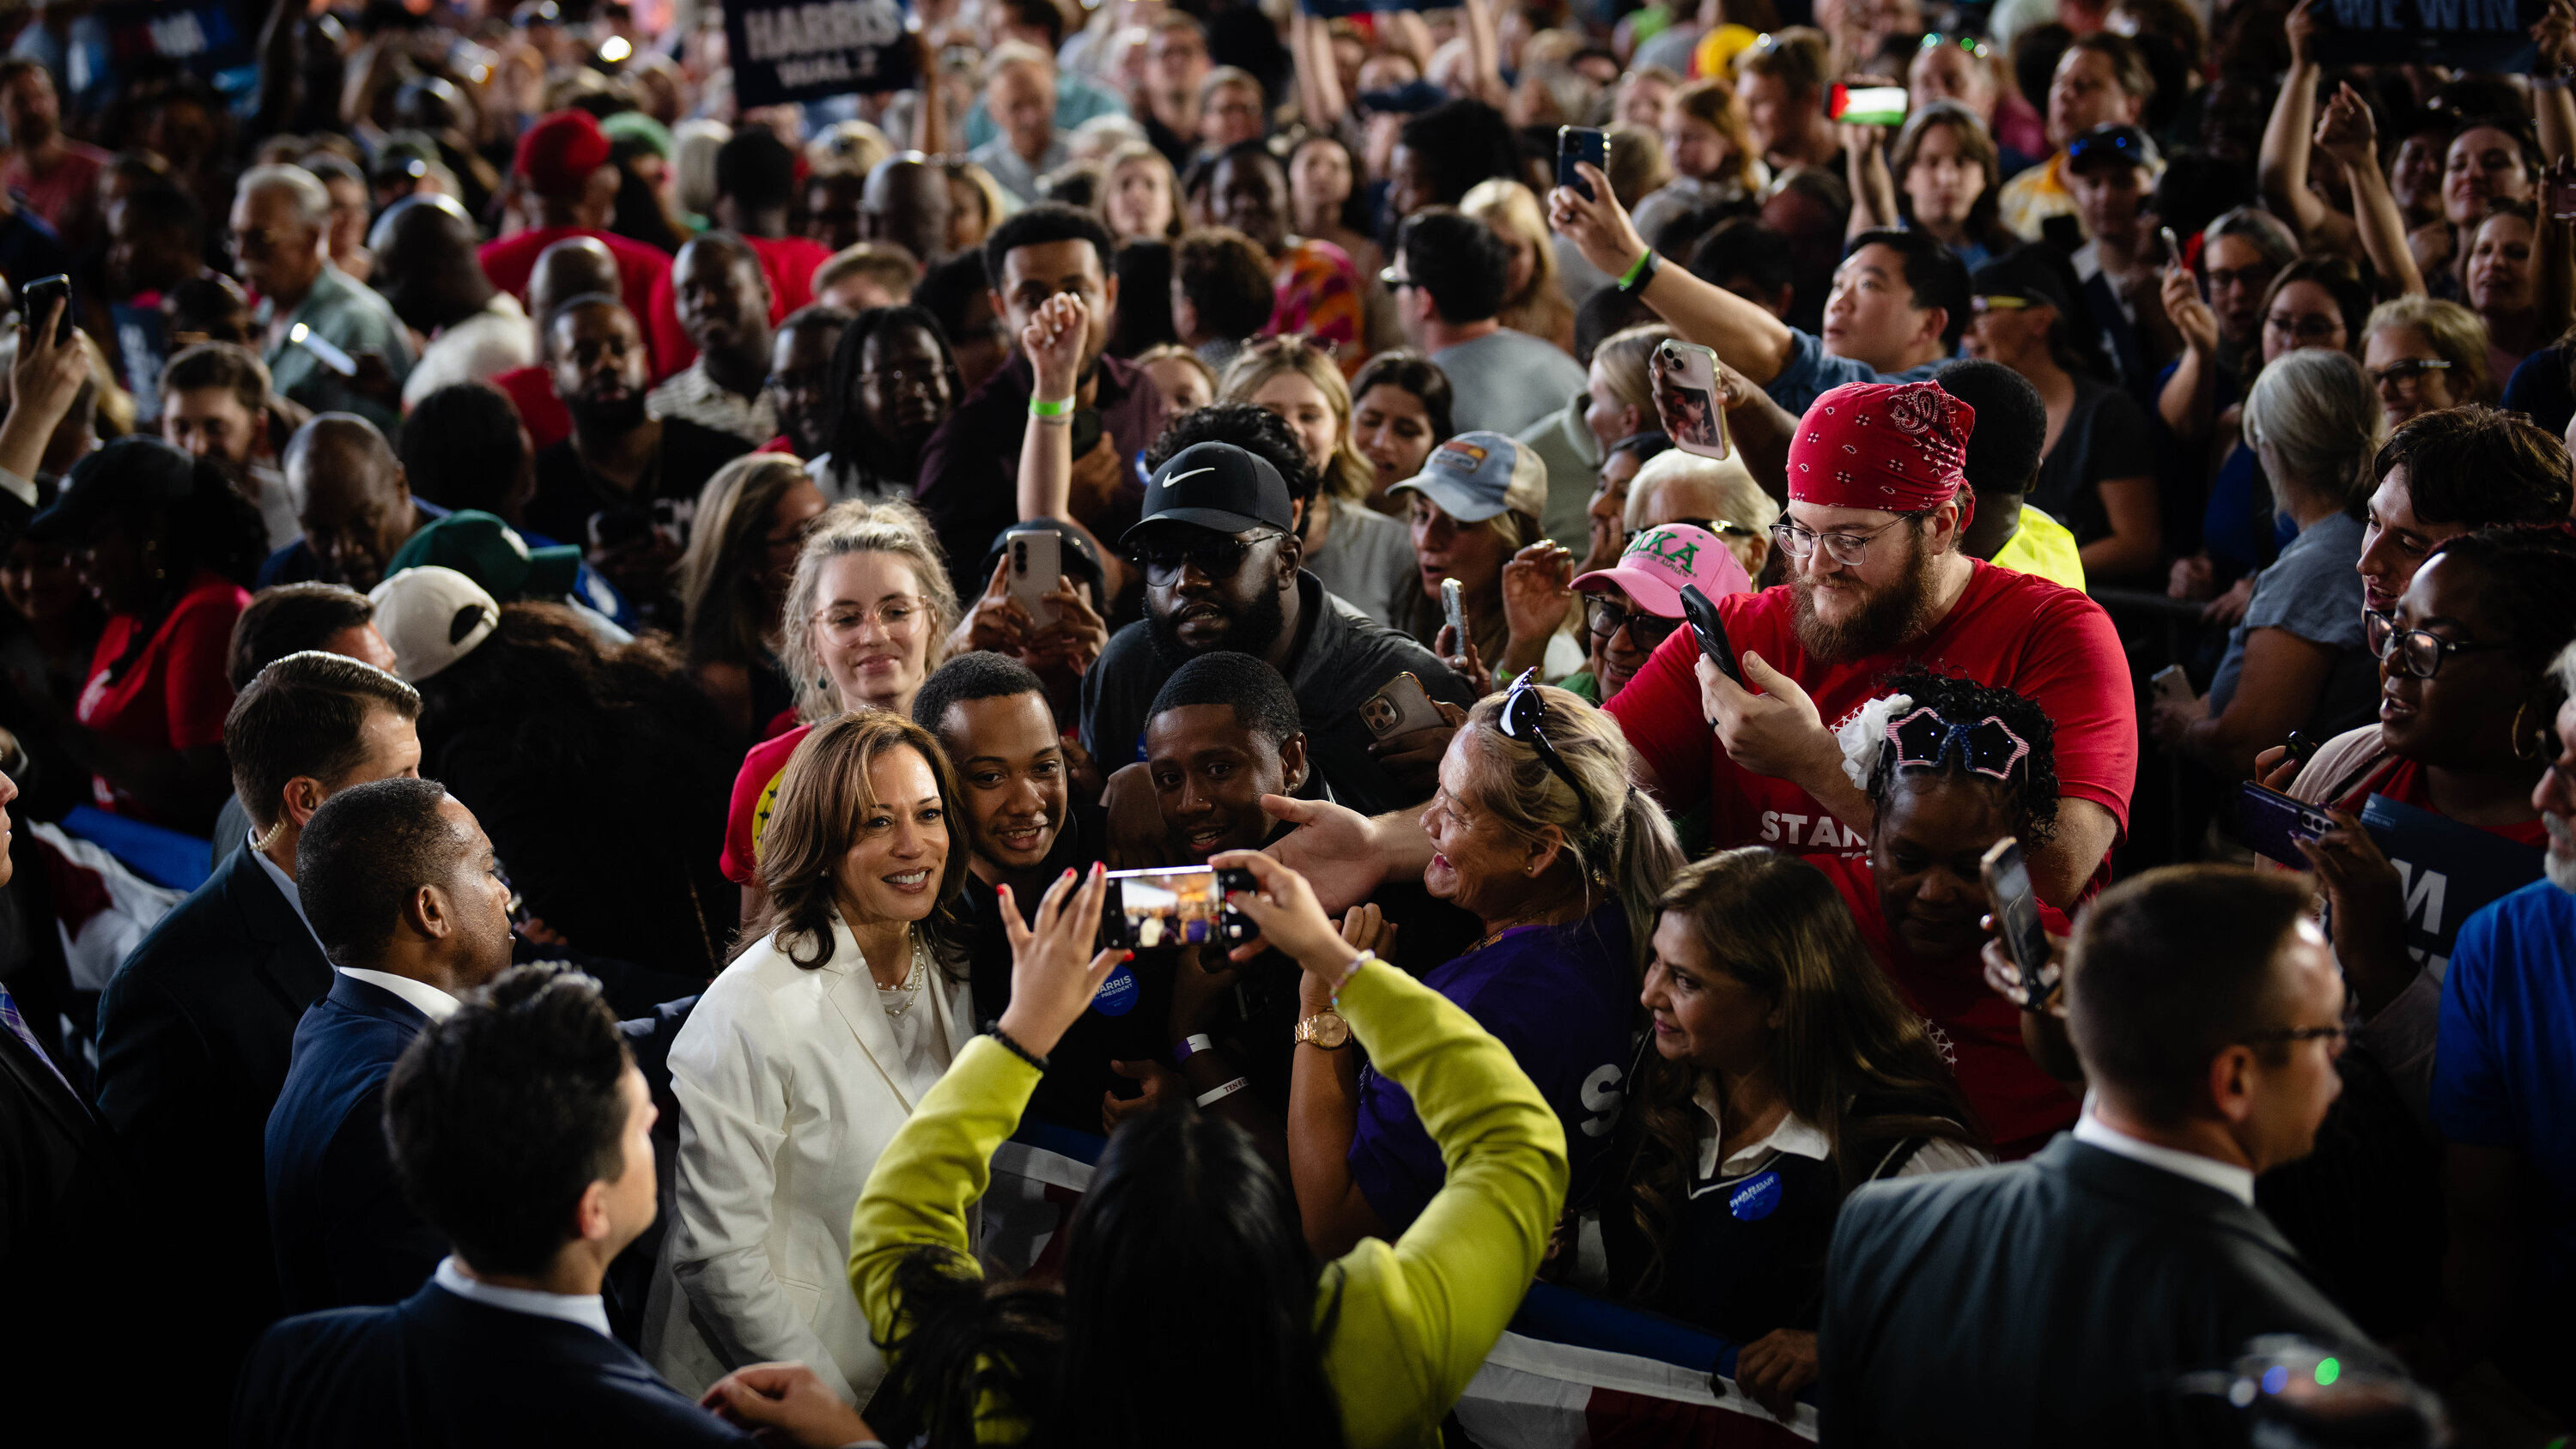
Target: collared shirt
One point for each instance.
(692, 396)
(2228, 1178)
(586, 1310)
(286, 887)
(428, 1000)
(347, 314)
(1015, 173)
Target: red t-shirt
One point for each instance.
(2404, 783)
(787, 261)
(754, 791)
(639, 267)
(2019, 1105)
(67, 196)
(532, 391)
(2011, 630)
(172, 696)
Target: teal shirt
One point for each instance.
(350, 316)
(1078, 98)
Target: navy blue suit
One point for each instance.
(194, 1035)
(344, 1234)
(437, 1370)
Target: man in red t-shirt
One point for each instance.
(755, 181)
(574, 267)
(563, 161)
(1877, 504)
(57, 175)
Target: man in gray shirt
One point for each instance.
(1448, 281)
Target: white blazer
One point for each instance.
(790, 1085)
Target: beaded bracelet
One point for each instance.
(994, 1030)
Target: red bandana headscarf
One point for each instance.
(1892, 446)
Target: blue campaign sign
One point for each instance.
(1330, 8)
(2445, 871)
(806, 50)
(2469, 34)
(205, 39)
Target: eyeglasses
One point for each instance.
(1606, 617)
(1394, 281)
(2314, 328)
(1969, 43)
(1524, 718)
(2415, 652)
(897, 616)
(2332, 1036)
(2407, 369)
(1217, 555)
(1842, 546)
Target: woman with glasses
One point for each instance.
(1783, 1069)
(1631, 605)
(742, 551)
(1400, 411)
(894, 381)
(865, 609)
(2297, 661)
(1363, 556)
(2313, 303)
(2425, 355)
(1538, 831)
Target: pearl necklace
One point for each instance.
(899, 999)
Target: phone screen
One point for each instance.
(1578, 144)
(2016, 912)
(1173, 906)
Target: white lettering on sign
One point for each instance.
(1601, 1095)
(2431, 14)
(2423, 893)
(827, 25)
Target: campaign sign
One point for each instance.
(204, 39)
(1329, 9)
(2445, 872)
(2484, 35)
(806, 50)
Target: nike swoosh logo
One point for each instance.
(1179, 478)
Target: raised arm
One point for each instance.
(2190, 395)
(1745, 337)
(1873, 187)
(2553, 112)
(2347, 133)
(2282, 164)
(1319, 84)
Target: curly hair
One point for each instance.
(1958, 700)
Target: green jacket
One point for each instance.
(1416, 1318)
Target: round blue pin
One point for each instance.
(1118, 995)
(1756, 1199)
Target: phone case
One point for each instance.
(1453, 609)
(1037, 562)
(2016, 912)
(2270, 823)
(1575, 144)
(1711, 631)
(1687, 401)
(1400, 708)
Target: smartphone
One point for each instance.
(2171, 684)
(2562, 198)
(1401, 707)
(1711, 631)
(1576, 145)
(2016, 912)
(1174, 906)
(1453, 610)
(2270, 823)
(323, 350)
(1867, 105)
(1037, 564)
(2173, 246)
(1686, 399)
(2301, 748)
(39, 294)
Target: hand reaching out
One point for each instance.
(1053, 340)
(1054, 971)
(2301, 28)
(2346, 131)
(2191, 316)
(1599, 227)
(1537, 584)
(997, 622)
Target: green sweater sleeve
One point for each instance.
(1408, 1325)
(934, 1171)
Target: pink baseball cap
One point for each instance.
(1659, 560)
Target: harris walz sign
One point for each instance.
(805, 50)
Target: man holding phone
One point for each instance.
(1877, 581)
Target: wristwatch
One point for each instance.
(1326, 1029)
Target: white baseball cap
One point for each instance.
(432, 616)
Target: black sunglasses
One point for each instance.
(1605, 617)
(1217, 555)
(1525, 719)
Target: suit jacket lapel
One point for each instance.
(294, 966)
(854, 994)
(38, 1080)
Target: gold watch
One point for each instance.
(1326, 1029)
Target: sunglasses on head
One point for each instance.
(1524, 719)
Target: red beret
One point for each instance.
(558, 153)
(1892, 446)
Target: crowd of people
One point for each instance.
(1636, 540)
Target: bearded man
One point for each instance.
(1877, 581)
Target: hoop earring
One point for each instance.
(2539, 754)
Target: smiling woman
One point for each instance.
(845, 1001)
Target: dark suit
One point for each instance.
(194, 1034)
(440, 1370)
(345, 1236)
(65, 1229)
(2050, 1302)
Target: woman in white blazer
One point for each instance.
(844, 1005)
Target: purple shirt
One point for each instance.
(1564, 999)
(970, 467)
